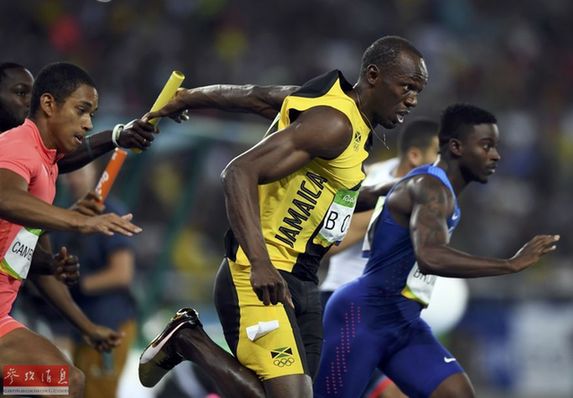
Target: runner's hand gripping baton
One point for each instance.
(166, 94)
(114, 165)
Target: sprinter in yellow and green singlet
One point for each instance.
(289, 198)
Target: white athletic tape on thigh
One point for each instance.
(260, 329)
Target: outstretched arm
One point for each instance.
(262, 100)
(17, 205)
(139, 135)
(432, 205)
(318, 132)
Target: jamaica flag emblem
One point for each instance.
(282, 356)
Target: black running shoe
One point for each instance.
(159, 357)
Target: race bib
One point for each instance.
(419, 287)
(338, 216)
(18, 257)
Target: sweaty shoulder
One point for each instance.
(327, 130)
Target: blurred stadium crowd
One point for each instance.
(514, 58)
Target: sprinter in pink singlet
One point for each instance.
(23, 153)
(64, 99)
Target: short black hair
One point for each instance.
(4, 66)
(384, 52)
(458, 117)
(59, 79)
(419, 133)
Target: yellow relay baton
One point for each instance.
(166, 94)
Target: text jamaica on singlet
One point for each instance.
(299, 211)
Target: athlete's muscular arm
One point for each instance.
(263, 100)
(318, 132)
(17, 205)
(59, 296)
(432, 204)
(138, 135)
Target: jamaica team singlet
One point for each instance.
(306, 212)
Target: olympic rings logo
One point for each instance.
(282, 362)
